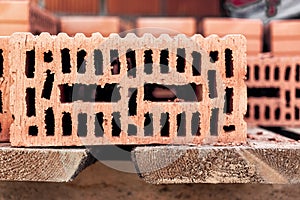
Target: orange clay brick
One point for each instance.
(133, 7)
(23, 16)
(199, 8)
(134, 90)
(88, 25)
(273, 91)
(167, 25)
(252, 29)
(5, 115)
(90, 7)
(285, 37)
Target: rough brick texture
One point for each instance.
(168, 25)
(252, 29)
(285, 37)
(88, 25)
(199, 8)
(91, 7)
(273, 91)
(127, 90)
(133, 7)
(5, 115)
(23, 16)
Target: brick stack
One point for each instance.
(95, 90)
(23, 16)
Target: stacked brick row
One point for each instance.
(133, 90)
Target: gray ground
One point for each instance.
(101, 182)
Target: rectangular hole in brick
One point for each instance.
(0, 128)
(212, 84)
(287, 98)
(89, 93)
(297, 93)
(277, 113)
(1, 63)
(164, 61)
(67, 124)
(132, 104)
(276, 73)
(256, 72)
(263, 92)
(196, 64)
(82, 125)
(131, 63)
(132, 130)
(267, 112)
(33, 130)
(181, 124)
(48, 56)
(256, 112)
(98, 62)
(180, 65)
(288, 116)
(49, 122)
(1, 102)
(30, 101)
(148, 124)
(297, 73)
(229, 128)
(81, 62)
(148, 62)
(65, 61)
(165, 124)
(99, 130)
(167, 93)
(30, 64)
(48, 84)
(228, 107)
(267, 73)
(248, 73)
(214, 121)
(247, 115)
(228, 63)
(114, 62)
(297, 113)
(195, 124)
(287, 73)
(214, 56)
(116, 124)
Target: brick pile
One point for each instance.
(133, 90)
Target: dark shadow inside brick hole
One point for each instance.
(30, 102)
(99, 130)
(148, 62)
(1, 63)
(33, 130)
(48, 84)
(165, 124)
(48, 56)
(131, 63)
(66, 124)
(116, 124)
(148, 124)
(49, 122)
(180, 62)
(1, 102)
(181, 124)
(164, 61)
(65, 61)
(115, 63)
(214, 56)
(81, 62)
(196, 64)
(195, 124)
(30, 64)
(132, 104)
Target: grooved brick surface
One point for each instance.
(5, 115)
(88, 25)
(168, 25)
(90, 7)
(252, 29)
(96, 90)
(199, 8)
(23, 16)
(273, 91)
(133, 7)
(285, 37)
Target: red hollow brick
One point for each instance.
(88, 25)
(133, 7)
(285, 37)
(49, 113)
(199, 8)
(167, 25)
(252, 29)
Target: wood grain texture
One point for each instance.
(267, 160)
(46, 165)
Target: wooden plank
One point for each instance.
(262, 160)
(46, 165)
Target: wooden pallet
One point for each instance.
(266, 158)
